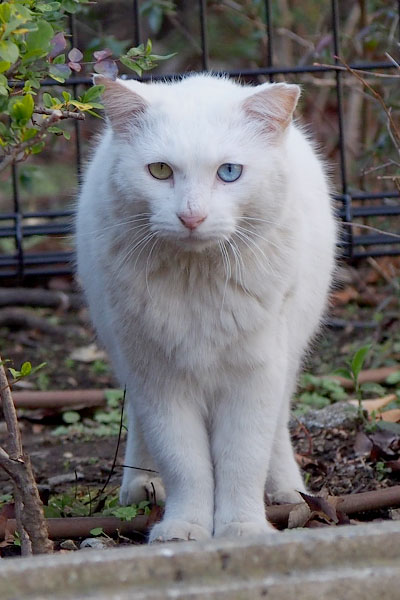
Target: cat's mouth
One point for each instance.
(193, 240)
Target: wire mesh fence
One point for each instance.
(35, 237)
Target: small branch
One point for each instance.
(19, 149)
(370, 73)
(60, 114)
(393, 127)
(29, 508)
(10, 416)
(369, 228)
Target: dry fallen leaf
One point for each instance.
(299, 516)
(376, 404)
(393, 416)
(88, 354)
(320, 507)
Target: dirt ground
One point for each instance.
(77, 452)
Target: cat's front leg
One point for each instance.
(176, 434)
(284, 479)
(140, 480)
(242, 438)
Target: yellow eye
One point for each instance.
(160, 170)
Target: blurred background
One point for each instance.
(256, 41)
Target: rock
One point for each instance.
(68, 545)
(65, 478)
(97, 543)
(341, 415)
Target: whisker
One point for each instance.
(252, 232)
(226, 267)
(147, 267)
(239, 261)
(132, 248)
(245, 238)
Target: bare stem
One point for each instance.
(31, 523)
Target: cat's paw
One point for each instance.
(141, 487)
(243, 529)
(285, 497)
(176, 530)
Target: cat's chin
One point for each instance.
(194, 244)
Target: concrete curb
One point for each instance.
(336, 563)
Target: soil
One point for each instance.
(364, 310)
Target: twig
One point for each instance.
(393, 127)
(19, 149)
(101, 492)
(370, 73)
(29, 508)
(349, 224)
(61, 114)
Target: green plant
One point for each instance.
(33, 46)
(317, 392)
(352, 372)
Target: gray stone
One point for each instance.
(334, 563)
(96, 543)
(68, 545)
(64, 478)
(341, 415)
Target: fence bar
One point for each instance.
(136, 22)
(268, 23)
(203, 34)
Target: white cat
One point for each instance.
(206, 249)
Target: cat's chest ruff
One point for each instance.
(193, 315)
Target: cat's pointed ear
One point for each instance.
(121, 103)
(273, 106)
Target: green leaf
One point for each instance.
(38, 367)
(71, 416)
(37, 148)
(93, 93)
(14, 372)
(393, 378)
(9, 51)
(59, 60)
(343, 372)
(41, 38)
(125, 513)
(4, 66)
(59, 72)
(47, 100)
(22, 109)
(131, 64)
(358, 360)
(5, 12)
(96, 531)
(67, 96)
(26, 369)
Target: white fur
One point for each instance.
(207, 336)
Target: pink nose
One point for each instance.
(191, 221)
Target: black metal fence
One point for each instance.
(18, 226)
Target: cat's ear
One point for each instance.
(273, 106)
(121, 103)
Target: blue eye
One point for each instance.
(229, 172)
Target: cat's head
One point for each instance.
(199, 154)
